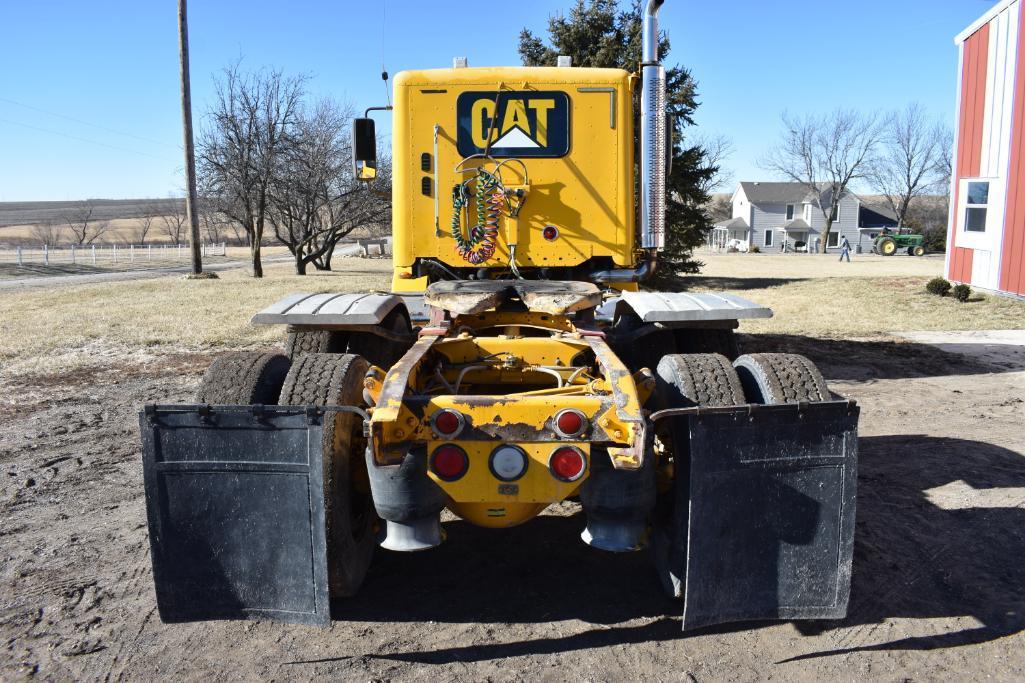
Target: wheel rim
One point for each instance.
(889, 248)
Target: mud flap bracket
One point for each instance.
(235, 506)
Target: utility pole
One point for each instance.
(190, 153)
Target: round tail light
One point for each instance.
(508, 463)
(569, 422)
(447, 423)
(567, 463)
(550, 233)
(449, 462)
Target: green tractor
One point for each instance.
(888, 242)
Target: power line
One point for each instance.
(81, 139)
(86, 123)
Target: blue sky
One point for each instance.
(89, 90)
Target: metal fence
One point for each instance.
(105, 255)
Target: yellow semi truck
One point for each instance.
(515, 363)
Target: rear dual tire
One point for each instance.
(243, 378)
(377, 350)
(683, 381)
(328, 379)
(317, 379)
(707, 381)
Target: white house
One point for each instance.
(785, 217)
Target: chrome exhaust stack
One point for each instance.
(653, 156)
(653, 134)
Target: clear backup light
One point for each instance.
(508, 463)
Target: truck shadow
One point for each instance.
(921, 556)
(861, 360)
(728, 284)
(914, 559)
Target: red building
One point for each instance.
(986, 236)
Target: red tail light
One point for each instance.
(449, 462)
(567, 463)
(447, 423)
(569, 422)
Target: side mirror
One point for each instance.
(364, 149)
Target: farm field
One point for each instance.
(939, 589)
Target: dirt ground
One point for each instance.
(938, 591)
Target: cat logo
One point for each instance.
(527, 124)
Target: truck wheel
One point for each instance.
(243, 378)
(300, 342)
(379, 351)
(887, 246)
(337, 379)
(919, 250)
(684, 381)
(772, 378)
(723, 342)
(637, 343)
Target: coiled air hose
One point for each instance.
(480, 244)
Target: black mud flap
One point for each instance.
(771, 523)
(235, 503)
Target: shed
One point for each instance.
(986, 233)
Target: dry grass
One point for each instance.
(60, 261)
(121, 231)
(857, 307)
(49, 330)
(818, 265)
(819, 296)
(55, 329)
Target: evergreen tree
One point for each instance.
(596, 33)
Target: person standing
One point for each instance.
(845, 249)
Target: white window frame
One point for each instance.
(833, 235)
(768, 238)
(791, 210)
(807, 214)
(837, 219)
(968, 206)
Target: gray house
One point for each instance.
(785, 217)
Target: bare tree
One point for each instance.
(362, 208)
(251, 121)
(212, 220)
(928, 216)
(84, 226)
(910, 155)
(175, 219)
(944, 158)
(48, 233)
(826, 154)
(719, 208)
(315, 200)
(716, 151)
(145, 223)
